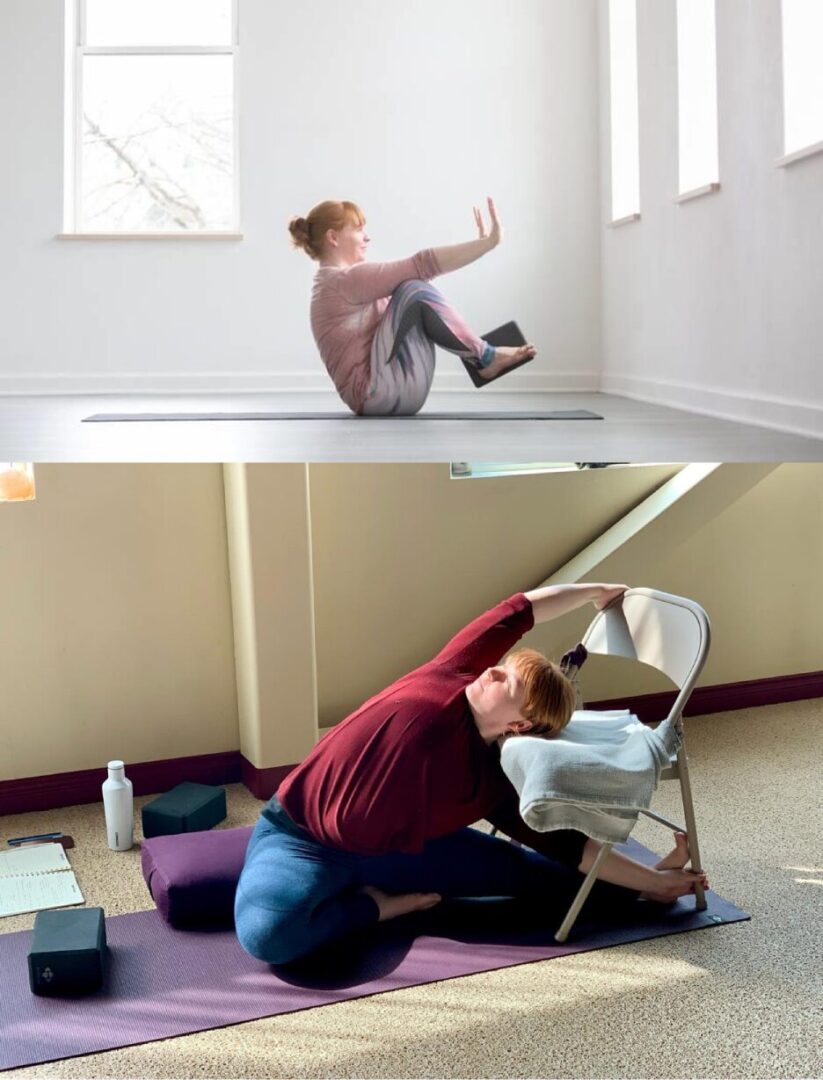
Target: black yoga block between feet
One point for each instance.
(68, 952)
(186, 808)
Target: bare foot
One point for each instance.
(506, 357)
(674, 879)
(391, 906)
(677, 858)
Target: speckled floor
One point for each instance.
(739, 1001)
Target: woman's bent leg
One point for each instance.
(295, 895)
(402, 357)
(399, 384)
(419, 303)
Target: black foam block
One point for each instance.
(68, 952)
(186, 808)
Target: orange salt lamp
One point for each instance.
(16, 483)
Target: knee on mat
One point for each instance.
(267, 935)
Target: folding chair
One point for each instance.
(671, 634)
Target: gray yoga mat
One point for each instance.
(554, 414)
(163, 982)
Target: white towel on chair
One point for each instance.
(595, 777)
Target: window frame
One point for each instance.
(77, 51)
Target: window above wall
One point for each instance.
(462, 470)
(802, 79)
(624, 112)
(697, 98)
(151, 147)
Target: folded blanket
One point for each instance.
(595, 777)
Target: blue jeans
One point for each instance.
(296, 895)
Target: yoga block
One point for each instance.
(193, 877)
(68, 952)
(186, 808)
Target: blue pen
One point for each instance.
(28, 839)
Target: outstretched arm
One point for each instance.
(554, 600)
(458, 255)
(366, 282)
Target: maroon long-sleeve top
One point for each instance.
(410, 764)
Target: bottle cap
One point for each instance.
(115, 766)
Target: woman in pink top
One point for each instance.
(376, 324)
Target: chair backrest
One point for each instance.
(667, 632)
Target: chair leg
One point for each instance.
(691, 824)
(582, 893)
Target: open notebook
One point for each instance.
(35, 878)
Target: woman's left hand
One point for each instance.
(495, 235)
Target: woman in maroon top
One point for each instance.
(374, 823)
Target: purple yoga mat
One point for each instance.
(163, 982)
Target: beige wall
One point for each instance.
(116, 631)
(390, 588)
(116, 636)
(758, 569)
(404, 556)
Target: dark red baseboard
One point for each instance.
(148, 777)
(721, 698)
(263, 782)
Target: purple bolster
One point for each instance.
(192, 877)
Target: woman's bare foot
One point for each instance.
(677, 858)
(391, 906)
(675, 880)
(506, 357)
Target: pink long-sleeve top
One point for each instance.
(346, 306)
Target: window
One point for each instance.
(802, 75)
(151, 117)
(625, 124)
(461, 470)
(697, 94)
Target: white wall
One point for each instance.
(715, 304)
(416, 110)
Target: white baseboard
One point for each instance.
(266, 383)
(524, 382)
(788, 415)
(164, 383)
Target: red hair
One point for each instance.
(309, 233)
(549, 697)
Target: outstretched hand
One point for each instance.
(495, 233)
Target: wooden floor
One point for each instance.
(50, 429)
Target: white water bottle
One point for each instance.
(118, 804)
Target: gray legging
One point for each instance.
(402, 355)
